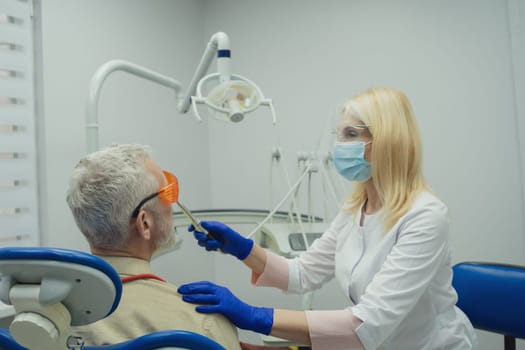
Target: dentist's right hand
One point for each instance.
(224, 238)
(218, 299)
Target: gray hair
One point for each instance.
(104, 189)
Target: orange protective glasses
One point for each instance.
(169, 194)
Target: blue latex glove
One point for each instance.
(218, 299)
(226, 239)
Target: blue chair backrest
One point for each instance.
(165, 339)
(7, 342)
(157, 340)
(492, 296)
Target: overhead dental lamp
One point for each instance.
(227, 96)
(229, 100)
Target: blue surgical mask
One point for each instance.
(349, 160)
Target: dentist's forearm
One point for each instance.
(256, 260)
(268, 269)
(291, 325)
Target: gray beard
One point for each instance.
(168, 240)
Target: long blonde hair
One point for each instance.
(396, 156)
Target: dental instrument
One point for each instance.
(171, 194)
(196, 224)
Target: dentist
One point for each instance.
(388, 248)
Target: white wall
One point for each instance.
(460, 62)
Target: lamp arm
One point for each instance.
(268, 102)
(96, 85)
(220, 43)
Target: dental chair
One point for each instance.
(493, 298)
(53, 289)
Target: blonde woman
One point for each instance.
(388, 248)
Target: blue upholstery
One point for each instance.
(492, 296)
(179, 339)
(69, 256)
(7, 342)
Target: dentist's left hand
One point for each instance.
(218, 299)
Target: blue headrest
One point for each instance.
(157, 340)
(68, 256)
(492, 296)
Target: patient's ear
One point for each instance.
(144, 223)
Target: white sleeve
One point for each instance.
(316, 266)
(408, 270)
(333, 330)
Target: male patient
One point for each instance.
(111, 196)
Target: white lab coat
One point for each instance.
(398, 282)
